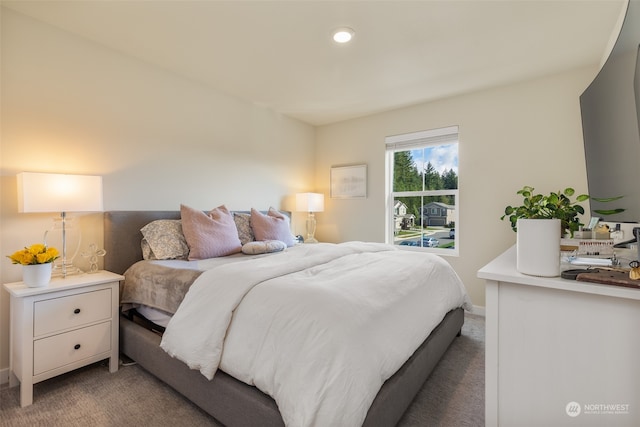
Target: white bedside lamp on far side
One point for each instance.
(50, 192)
(310, 202)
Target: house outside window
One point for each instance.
(402, 220)
(422, 191)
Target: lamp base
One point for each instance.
(311, 228)
(62, 270)
(64, 233)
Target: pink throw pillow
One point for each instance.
(273, 226)
(209, 236)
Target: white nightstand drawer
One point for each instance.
(58, 314)
(59, 350)
(49, 322)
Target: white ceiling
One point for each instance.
(279, 54)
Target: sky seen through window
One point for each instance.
(442, 157)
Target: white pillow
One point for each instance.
(263, 247)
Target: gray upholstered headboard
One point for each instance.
(122, 235)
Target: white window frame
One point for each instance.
(407, 142)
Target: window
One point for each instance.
(422, 190)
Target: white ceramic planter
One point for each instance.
(36, 275)
(538, 247)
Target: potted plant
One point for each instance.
(554, 206)
(540, 222)
(36, 261)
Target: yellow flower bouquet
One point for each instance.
(35, 254)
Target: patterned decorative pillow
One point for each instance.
(243, 224)
(264, 247)
(163, 239)
(209, 236)
(273, 226)
(147, 253)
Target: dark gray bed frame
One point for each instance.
(228, 400)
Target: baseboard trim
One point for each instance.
(4, 376)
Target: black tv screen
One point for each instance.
(611, 125)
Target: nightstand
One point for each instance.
(70, 323)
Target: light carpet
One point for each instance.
(452, 396)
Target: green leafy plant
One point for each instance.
(553, 206)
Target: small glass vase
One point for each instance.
(36, 275)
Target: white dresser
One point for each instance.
(70, 323)
(559, 352)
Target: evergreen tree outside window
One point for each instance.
(422, 190)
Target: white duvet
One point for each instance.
(317, 327)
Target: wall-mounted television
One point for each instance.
(611, 125)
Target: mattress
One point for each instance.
(296, 269)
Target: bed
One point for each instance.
(229, 400)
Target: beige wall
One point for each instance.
(71, 106)
(522, 134)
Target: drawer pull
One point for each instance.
(76, 311)
(77, 346)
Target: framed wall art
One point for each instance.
(349, 182)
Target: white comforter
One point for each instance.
(317, 327)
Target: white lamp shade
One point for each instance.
(49, 192)
(309, 202)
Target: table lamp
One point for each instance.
(48, 192)
(310, 202)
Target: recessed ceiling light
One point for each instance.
(343, 35)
